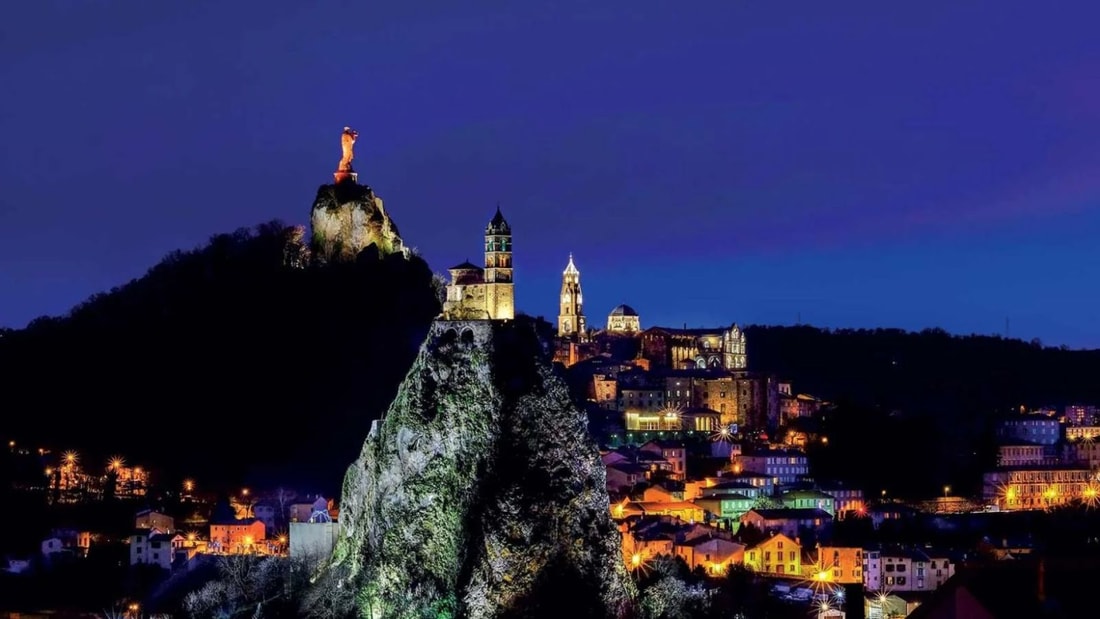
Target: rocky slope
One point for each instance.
(346, 219)
(480, 493)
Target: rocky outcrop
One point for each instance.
(346, 219)
(479, 493)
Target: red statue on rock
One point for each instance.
(347, 143)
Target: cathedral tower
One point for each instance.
(571, 314)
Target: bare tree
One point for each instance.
(257, 587)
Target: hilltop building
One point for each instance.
(477, 293)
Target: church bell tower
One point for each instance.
(500, 303)
(571, 314)
(498, 251)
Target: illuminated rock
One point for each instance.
(346, 219)
(480, 494)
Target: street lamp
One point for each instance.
(946, 491)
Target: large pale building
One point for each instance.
(571, 313)
(624, 319)
(477, 293)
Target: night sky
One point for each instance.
(855, 164)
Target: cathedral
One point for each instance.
(477, 293)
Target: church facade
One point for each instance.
(484, 293)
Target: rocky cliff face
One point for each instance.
(346, 219)
(480, 494)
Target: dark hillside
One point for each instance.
(916, 411)
(223, 362)
(929, 371)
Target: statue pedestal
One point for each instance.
(345, 175)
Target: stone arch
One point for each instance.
(450, 336)
(467, 336)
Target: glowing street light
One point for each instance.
(188, 485)
(244, 491)
(946, 491)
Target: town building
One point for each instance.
(711, 553)
(1081, 415)
(236, 536)
(150, 519)
(905, 570)
(778, 555)
(155, 547)
(1024, 488)
(789, 522)
(838, 565)
(1033, 429)
(784, 466)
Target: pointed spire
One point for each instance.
(498, 225)
(571, 269)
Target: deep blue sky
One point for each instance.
(860, 163)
